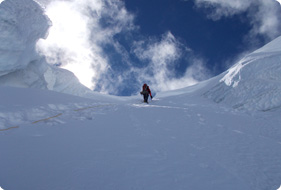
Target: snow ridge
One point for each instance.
(254, 83)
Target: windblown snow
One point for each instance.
(221, 134)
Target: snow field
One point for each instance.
(175, 142)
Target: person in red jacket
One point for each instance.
(146, 92)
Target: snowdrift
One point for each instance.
(254, 83)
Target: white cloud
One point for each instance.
(162, 56)
(68, 42)
(264, 15)
(76, 37)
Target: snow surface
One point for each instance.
(183, 141)
(221, 134)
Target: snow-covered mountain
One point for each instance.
(223, 133)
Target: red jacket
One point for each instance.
(146, 88)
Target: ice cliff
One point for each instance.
(22, 24)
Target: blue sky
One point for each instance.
(113, 46)
(217, 41)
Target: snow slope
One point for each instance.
(254, 83)
(181, 141)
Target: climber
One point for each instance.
(146, 92)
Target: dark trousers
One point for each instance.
(145, 97)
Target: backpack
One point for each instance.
(145, 89)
